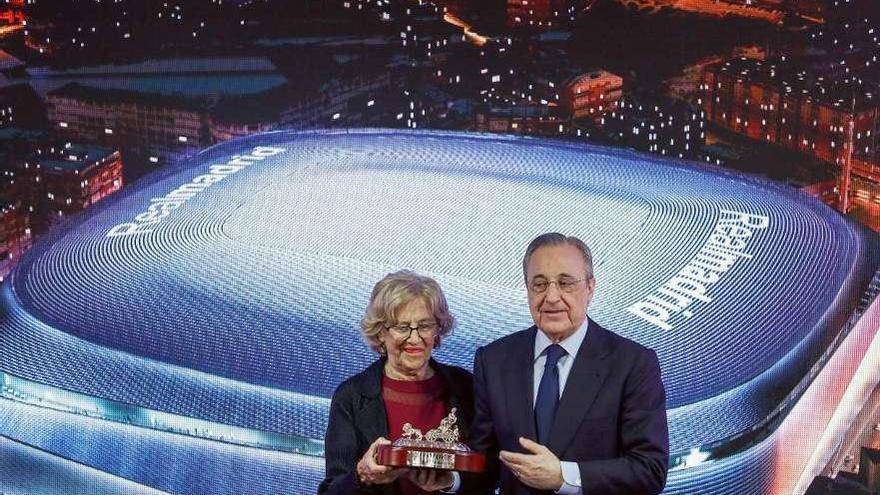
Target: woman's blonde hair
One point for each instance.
(395, 291)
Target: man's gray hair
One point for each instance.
(557, 239)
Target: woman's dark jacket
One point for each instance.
(358, 417)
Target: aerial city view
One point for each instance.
(198, 195)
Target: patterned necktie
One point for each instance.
(548, 394)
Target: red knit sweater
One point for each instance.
(419, 403)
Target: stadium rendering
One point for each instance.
(186, 335)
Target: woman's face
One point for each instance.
(409, 341)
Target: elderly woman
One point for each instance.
(407, 318)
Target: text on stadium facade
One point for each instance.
(160, 208)
(726, 245)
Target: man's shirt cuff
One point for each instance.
(456, 483)
(571, 479)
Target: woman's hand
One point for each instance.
(431, 480)
(370, 472)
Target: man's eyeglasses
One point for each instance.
(403, 331)
(540, 286)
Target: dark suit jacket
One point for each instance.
(358, 417)
(611, 418)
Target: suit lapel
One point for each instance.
(581, 388)
(519, 385)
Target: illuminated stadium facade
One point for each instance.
(210, 310)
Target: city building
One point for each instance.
(12, 12)
(541, 120)
(61, 180)
(542, 14)
(239, 116)
(835, 120)
(593, 94)
(426, 36)
(657, 124)
(163, 127)
(322, 105)
(168, 127)
(6, 116)
(15, 234)
(230, 123)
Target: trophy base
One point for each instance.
(431, 458)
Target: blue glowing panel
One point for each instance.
(138, 458)
(229, 289)
(30, 470)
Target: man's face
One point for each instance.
(559, 312)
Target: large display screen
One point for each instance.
(197, 198)
(186, 334)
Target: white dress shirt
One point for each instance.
(571, 474)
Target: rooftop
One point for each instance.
(830, 90)
(89, 93)
(75, 158)
(165, 66)
(594, 75)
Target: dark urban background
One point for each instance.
(96, 94)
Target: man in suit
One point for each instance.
(569, 406)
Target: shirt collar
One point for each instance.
(571, 344)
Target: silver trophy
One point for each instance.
(440, 448)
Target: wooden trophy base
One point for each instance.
(431, 458)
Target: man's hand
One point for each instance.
(370, 472)
(539, 468)
(431, 480)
